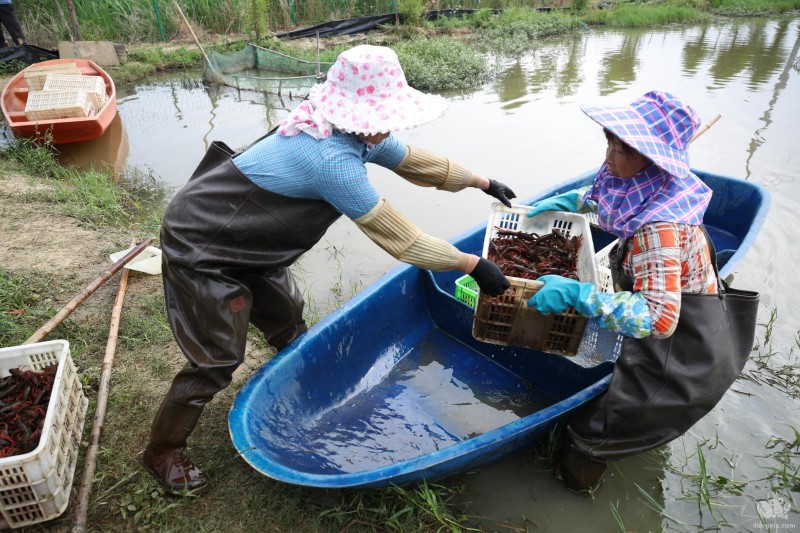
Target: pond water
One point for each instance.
(526, 129)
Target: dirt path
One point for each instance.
(37, 239)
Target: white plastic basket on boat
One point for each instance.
(94, 86)
(35, 486)
(35, 75)
(49, 105)
(506, 319)
(603, 262)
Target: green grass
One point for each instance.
(93, 197)
(28, 300)
(749, 8)
(784, 472)
(643, 16)
(442, 64)
(517, 31)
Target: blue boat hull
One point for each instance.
(392, 387)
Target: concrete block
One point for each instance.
(104, 53)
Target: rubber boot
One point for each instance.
(580, 473)
(283, 339)
(164, 456)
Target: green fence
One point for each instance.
(291, 13)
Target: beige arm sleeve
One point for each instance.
(406, 242)
(426, 169)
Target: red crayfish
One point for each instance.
(24, 396)
(529, 256)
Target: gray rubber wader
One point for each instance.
(660, 387)
(227, 246)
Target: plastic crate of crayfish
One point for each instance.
(35, 486)
(507, 319)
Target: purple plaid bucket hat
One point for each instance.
(657, 125)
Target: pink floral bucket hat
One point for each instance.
(365, 92)
(657, 125)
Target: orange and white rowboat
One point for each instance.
(61, 130)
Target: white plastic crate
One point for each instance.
(35, 486)
(50, 105)
(94, 86)
(506, 319)
(35, 74)
(603, 262)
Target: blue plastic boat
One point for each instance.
(392, 387)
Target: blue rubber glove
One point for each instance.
(568, 201)
(559, 293)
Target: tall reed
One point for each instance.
(132, 21)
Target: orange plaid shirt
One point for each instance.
(664, 260)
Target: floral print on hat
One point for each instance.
(365, 92)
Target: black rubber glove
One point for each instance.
(501, 192)
(489, 278)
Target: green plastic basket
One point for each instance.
(467, 290)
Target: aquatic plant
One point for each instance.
(643, 16)
(442, 64)
(750, 8)
(516, 31)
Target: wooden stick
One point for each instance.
(319, 72)
(100, 413)
(704, 128)
(196, 40)
(40, 333)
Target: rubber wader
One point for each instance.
(226, 247)
(660, 387)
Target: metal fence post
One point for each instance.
(158, 20)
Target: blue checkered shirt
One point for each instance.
(330, 169)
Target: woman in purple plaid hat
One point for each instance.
(671, 370)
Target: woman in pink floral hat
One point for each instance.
(230, 234)
(674, 365)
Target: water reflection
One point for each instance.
(172, 123)
(752, 50)
(618, 68)
(106, 153)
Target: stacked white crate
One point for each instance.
(93, 86)
(61, 91)
(35, 75)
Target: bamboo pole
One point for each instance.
(73, 16)
(196, 40)
(90, 464)
(64, 19)
(319, 71)
(704, 127)
(40, 333)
